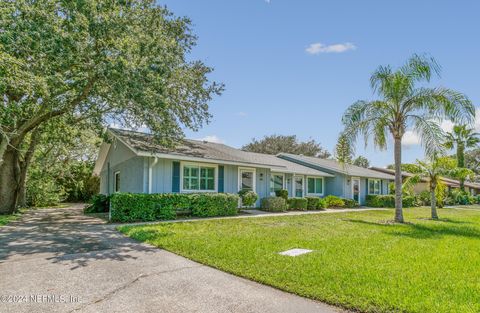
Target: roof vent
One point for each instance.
(204, 141)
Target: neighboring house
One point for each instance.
(349, 181)
(133, 162)
(472, 188)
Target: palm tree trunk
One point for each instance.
(461, 163)
(398, 180)
(433, 202)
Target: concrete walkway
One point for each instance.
(58, 260)
(252, 214)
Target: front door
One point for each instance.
(356, 189)
(298, 186)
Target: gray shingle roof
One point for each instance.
(332, 165)
(143, 142)
(448, 181)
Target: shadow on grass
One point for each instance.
(434, 230)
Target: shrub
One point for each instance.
(460, 197)
(129, 207)
(98, 204)
(408, 202)
(312, 203)
(321, 204)
(274, 204)
(424, 198)
(43, 191)
(282, 193)
(248, 197)
(350, 203)
(297, 204)
(333, 202)
(388, 201)
(214, 204)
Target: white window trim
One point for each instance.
(198, 164)
(269, 182)
(115, 181)
(323, 186)
(250, 169)
(294, 194)
(379, 187)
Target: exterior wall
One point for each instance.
(121, 158)
(418, 188)
(335, 185)
(131, 176)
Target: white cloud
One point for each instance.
(477, 120)
(242, 114)
(410, 138)
(212, 138)
(447, 126)
(316, 48)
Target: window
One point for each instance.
(276, 183)
(198, 178)
(315, 185)
(116, 182)
(246, 179)
(374, 187)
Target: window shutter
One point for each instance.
(176, 177)
(381, 186)
(220, 178)
(366, 192)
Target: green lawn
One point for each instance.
(5, 219)
(360, 260)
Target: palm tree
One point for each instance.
(403, 105)
(432, 171)
(462, 138)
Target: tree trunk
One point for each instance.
(398, 181)
(433, 202)
(8, 184)
(461, 163)
(27, 158)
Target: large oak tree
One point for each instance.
(96, 61)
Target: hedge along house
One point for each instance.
(347, 181)
(133, 162)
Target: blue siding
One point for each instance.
(131, 176)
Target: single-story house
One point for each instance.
(132, 162)
(348, 181)
(470, 187)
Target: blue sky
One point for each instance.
(293, 67)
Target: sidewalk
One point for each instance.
(250, 214)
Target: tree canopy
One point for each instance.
(361, 161)
(343, 150)
(274, 144)
(97, 61)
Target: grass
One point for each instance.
(5, 219)
(360, 260)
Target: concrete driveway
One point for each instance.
(58, 260)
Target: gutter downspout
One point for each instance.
(150, 174)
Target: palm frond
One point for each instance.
(441, 103)
(430, 133)
(420, 68)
